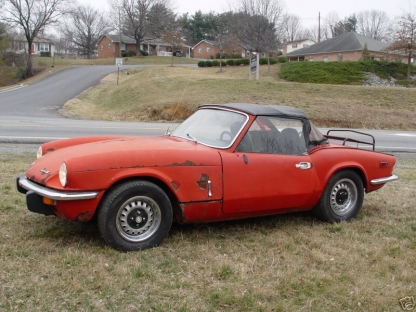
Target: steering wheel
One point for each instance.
(225, 132)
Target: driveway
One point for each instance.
(45, 97)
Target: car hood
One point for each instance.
(120, 154)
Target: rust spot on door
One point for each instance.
(203, 181)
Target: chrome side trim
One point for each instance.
(54, 194)
(393, 177)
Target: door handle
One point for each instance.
(304, 165)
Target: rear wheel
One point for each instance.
(135, 215)
(342, 198)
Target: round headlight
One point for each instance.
(39, 153)
(63, 175)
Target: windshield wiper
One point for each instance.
(191, 137)
(167, 132)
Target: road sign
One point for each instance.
(119, 62)
(254, 66)
(253, 63)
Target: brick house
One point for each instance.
(205, 49)
(346, 47)
(109, 45)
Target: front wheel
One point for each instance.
(342, 198)
(135, 215)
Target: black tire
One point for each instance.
(342, 198)
(135, 215)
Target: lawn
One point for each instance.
(162, 93)
(283, 263)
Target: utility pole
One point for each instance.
(119, 29)
(319, 27)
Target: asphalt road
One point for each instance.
(46, 96)
(30, 114)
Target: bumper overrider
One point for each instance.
(37, 196)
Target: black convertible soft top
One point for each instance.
(261, 109)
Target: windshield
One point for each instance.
(212, 127)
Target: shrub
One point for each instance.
(143, 53)
(223, 63)
(236, 56)
(45, 54)
(245, 61)
(215, 63)
(208, 63)
(230, 62)
(202, 64)
(131, 53)
(11, 58)
(237, 62)
(124, 54)
(282, 59)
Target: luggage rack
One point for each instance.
(347, 139)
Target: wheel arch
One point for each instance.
(355, 168)
(168, 191)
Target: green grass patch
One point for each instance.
(341, 72)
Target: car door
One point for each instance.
(269, 173)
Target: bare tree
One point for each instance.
(291, 27)
(327, 27)
(255, 23)
(405, 38)
(3, 38)
(374, 24)
(174, 38)
(145, 19)
(85, 26)
(33, 16)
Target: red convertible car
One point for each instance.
(224, 162)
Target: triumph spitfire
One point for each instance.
(224, 162)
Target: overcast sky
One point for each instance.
(307, 10)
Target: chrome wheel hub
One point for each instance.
(343, 197)
(138, 219)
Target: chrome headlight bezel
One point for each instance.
(63, 175)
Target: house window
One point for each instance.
(109, 45)
(305, 45)
(43, 47)
(102, 47)
(208, 49)
(325, 58)
(340, 57)
(200, 50)
(294, 46)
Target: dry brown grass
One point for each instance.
(284, 263)
(158, 89)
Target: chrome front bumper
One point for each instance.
(24, 184)
(391, 178)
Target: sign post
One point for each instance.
(254, 66)
(119, 63)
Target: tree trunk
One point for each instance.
(409, 62)
(29, 65)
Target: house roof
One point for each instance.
(116, 38)
(346, 42)
(207, 41)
